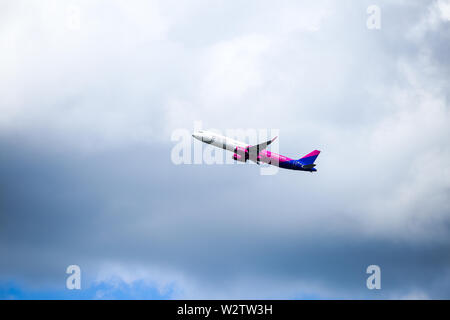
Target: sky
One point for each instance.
(91, 93)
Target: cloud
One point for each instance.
(85, 166)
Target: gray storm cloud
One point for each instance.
(87, 115)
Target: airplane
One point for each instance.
(257, 153)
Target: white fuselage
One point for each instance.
(218, 140)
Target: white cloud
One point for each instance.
(116, 274)
(436, 14)
(413, 295)
(82, 84)
(374, 103)
(233, 67)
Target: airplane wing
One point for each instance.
(254, 150)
